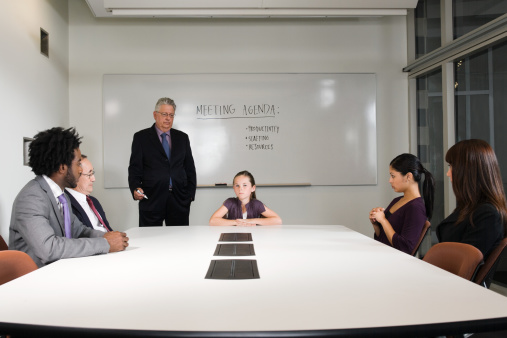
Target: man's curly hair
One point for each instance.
(52, 148)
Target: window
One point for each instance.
(477, 53)
(481, 99)
(430, 135)
(471, 14)
(480, 82)
(427, 27)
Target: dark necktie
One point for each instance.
(165, 145)
(66, 215)
(90, 203)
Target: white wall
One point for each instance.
(33, 88)
(163, 46)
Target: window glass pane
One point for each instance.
(430, 136)
(479, 79)
(481, 100)
(472, 74)
(481, 119)
(471, 14)
(460, 117)
(427, 26)
(499, 104)
(472, 111)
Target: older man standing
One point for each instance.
(87, 208)
(161, 171)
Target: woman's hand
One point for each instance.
(377, 215)
(373, 215)
(380, 222)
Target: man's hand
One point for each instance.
(118, 241)
(138, 196)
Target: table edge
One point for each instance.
(418, 330)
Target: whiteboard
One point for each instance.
(317, 129)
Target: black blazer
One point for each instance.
(485, 234)
(150, 169)
(81, 214)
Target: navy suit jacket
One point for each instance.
(81, 214)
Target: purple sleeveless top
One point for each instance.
(254, 208)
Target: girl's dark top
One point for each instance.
(408, 222)
(254, 208)
(485, 234)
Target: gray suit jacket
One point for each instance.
(37, 227)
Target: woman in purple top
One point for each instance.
(401, 223)
(245, 209)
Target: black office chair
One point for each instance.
(458, 258)
(486, 272)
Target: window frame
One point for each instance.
(444, 57)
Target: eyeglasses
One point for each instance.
(166, 114)
(90, 174)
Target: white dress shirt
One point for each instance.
(81, 199)
(55, 188)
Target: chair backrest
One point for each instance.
(14, 264)
(425, 229)
(486, 272)
(458, 258)
(3, 245)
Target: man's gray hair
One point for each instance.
(165, 100)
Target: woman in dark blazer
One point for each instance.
(480, 217)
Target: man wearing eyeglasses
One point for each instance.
(87, 208)
(161, 171)
(42, 224)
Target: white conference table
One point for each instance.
(314, 281)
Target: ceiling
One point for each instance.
(248, 8)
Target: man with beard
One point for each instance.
(42, 223)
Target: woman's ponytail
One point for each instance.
(428, 187)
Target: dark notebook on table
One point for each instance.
(234, 250)
(235, 237)
(233, 269)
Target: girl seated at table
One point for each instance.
(480, 217)
(245, 209)
(401, 223)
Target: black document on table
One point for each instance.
(236, 237)
(234, 250)
(233, 269)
